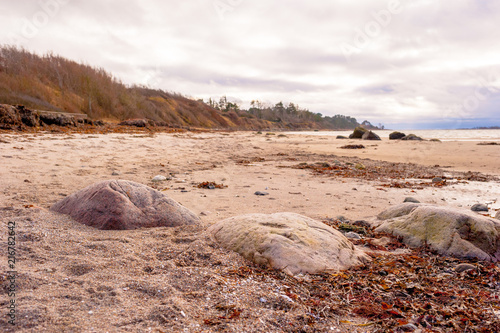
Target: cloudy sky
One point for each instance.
(405, 64)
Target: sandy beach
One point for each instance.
(77, 279)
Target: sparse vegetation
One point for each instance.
(53, 83)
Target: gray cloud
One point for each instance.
(424, 66)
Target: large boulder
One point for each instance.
(396, 135)
(28, 117)
(358, 133)
(57, 119)
(288, 241)
(123, 205)
(412, 137)
(369, 135)
(451, 232)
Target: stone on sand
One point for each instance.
(479, 208)
(396, 135)
(450, 232)
(124, 205)
(288, 241)
(410, 199)
(412, 137)
(357, 133)
(369, 135)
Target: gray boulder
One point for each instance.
(369, 135)
(396, 135)
(479, 208)
(288, 241)
(124, 205)
(451, 232)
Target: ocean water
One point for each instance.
(492, 135)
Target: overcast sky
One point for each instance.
(406, 64)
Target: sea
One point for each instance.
(490, 135)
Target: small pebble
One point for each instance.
(261, 193)
(352, 235)
(115, 173)
(437, 180)
(464, 267)
(479, 208)
(159, 178)
(410, 199)
(408, 328)
(263, 300)
(360, 166)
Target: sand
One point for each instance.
(74, 278)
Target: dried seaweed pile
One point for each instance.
(397, 293)
(401, 175)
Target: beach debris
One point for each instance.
(412, 137)
(357, 133)
(289, 242)
(450, 232)
(410, 199)
(396, 135)
(479, 208)
(260, 193)
(353, 147)
(124, 205)
(159, 178)
(210, 185)
(369, 135)
(251, 160)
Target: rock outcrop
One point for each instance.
(9, 117)
(396, 135)
(358, 133)
(19, 117)
(123, 205)
(135, 122)
(451, 232)
(288, 241)
(369, 135)
(412, 137)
